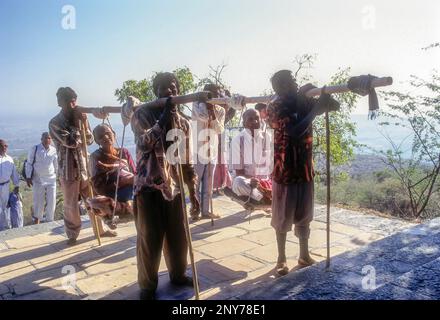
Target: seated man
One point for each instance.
(251, 162)
(104, 164)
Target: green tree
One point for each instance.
(143, 89)
(419, 173)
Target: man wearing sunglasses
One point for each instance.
(8, 172)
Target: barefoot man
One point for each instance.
(291, 116)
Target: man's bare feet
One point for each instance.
(109, 234)
(304, 263)
(282, 269)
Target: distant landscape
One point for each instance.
(22, 134)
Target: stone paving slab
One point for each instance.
(234, 256)
(3, 246)
(227, 247)
(18, 270)
(219, 235)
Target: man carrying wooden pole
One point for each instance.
(71, 134)
(291, 116)
(159, 207)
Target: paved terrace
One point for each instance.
(235, 260)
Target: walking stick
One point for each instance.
(209, 172)
(327, 136)
(94, 218)
(185, 219)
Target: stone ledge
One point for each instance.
(412, 272)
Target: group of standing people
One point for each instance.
(158, 214)
(149, 187)
(40, 171)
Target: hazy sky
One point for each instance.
(117, 40)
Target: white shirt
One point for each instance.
(8, 170)
(45, 166)
(204, 139)
(252, 154)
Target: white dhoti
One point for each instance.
(241, 186)
(5, 219)
(44, 197)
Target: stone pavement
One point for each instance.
(234, 256)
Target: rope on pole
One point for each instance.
(118, 176)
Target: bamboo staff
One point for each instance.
(210, 177)
(94, 218)
(185, 220)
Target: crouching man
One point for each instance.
(251, 160)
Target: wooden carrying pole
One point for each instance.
(375, 83)
(93, 217)
(156, 103)
(342, 88)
